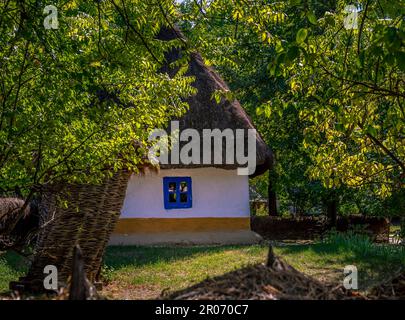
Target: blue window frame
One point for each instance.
(177, 192)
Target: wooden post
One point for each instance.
(79, 285)
(271, 258)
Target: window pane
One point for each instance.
(172, 192)
(183, 186)
(183, 197)
(183, 191)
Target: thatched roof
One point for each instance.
(16, 230)
(205, 112)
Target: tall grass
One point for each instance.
(361, 244)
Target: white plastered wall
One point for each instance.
(216, 193)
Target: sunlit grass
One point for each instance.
(143, 272)
(174, 268)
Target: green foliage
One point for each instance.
(328, 100)
(107, 273)
(260, 211)
(245, 60)
(348, 86)
(301, 36)
(82, 98)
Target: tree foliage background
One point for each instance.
(323, 82)
(81, 98)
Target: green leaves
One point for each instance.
(237, 13)
(301, 36)
(316, 90)
(371, 130)
(76, 99)
(341, 83)
(400, 59)
(312, 18)
(292, 53)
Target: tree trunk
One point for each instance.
(331, 209)
(402, 230)
(271, 197)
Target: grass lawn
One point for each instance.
(143, 272)
(12, 266)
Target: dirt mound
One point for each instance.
(392, 289)
(274, 281)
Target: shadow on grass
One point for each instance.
(137, 256)
(374, 264)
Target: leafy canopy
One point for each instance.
(344, 80)
(81, 98)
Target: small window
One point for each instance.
(172, 192)
(177, 192)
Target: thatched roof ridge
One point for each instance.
(205, 112)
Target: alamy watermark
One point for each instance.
(350, 280)
(51, 20)
(350, 20)
(51, 279)
(212, 140)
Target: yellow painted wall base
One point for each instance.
(158, 225)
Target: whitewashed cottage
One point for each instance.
(194, 203)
